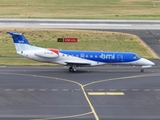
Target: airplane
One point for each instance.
(76, 58)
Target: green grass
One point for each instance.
(87, 40)
(22, 61)
(81, 9)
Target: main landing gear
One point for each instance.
(72, 69)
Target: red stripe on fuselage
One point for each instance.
(54, 50)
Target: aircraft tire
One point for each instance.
(71, 69)
(142, 70)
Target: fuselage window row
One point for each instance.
(86, 56)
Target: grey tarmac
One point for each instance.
(32, 92)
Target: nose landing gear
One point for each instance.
(142, 70)
(147, 66)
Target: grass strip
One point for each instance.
(81, 9)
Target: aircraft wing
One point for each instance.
(77, 63)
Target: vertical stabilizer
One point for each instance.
(18, 38)
(21, 43)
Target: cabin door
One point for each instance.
(120, 57)
(82, 55)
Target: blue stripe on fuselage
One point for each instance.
(100, 56)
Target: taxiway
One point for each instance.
(106, 92)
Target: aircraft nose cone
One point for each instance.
(147, 62)
(152, 63)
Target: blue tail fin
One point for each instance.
(21, 43)
(18, 38)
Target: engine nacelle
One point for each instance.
(46, 54)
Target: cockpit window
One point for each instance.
(135, 56)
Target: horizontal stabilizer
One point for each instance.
(14, 33)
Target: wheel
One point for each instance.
(71, 69)
(142, 70)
